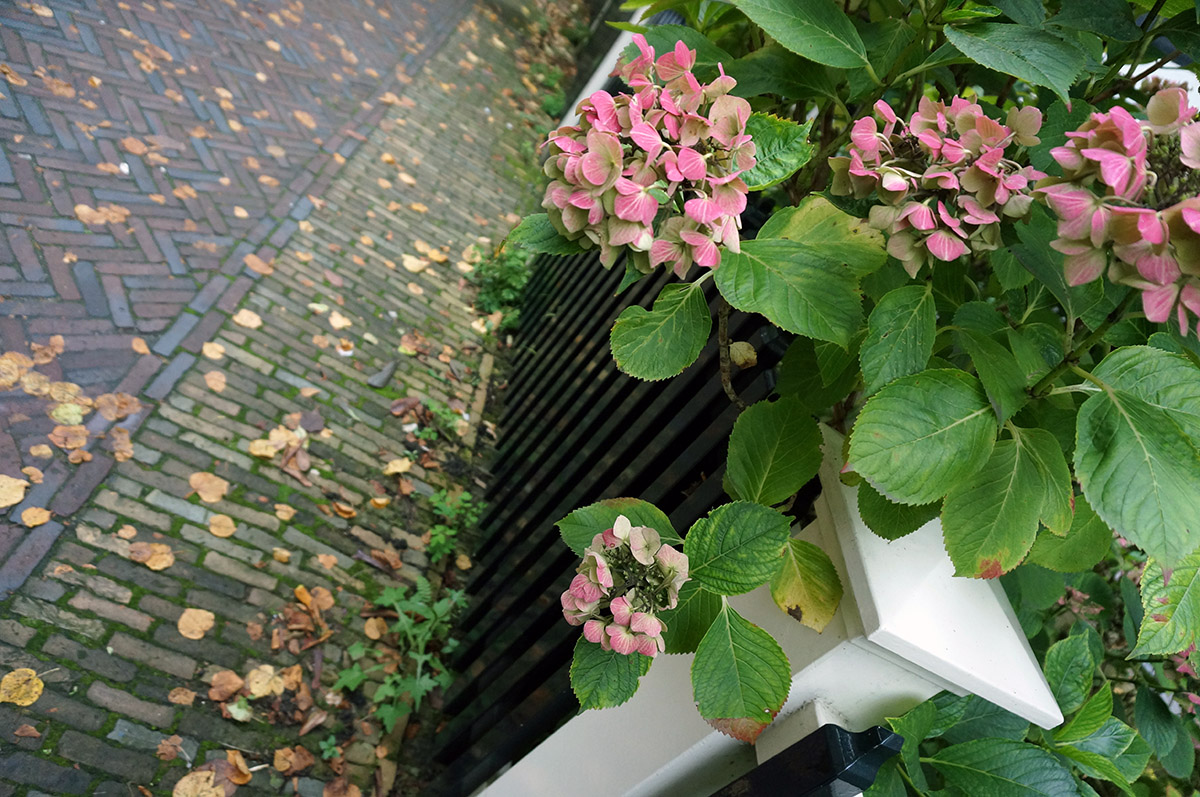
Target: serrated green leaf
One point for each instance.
(780, 148)
(889, 520)
(888, 782)
(579, 527)
(537, 234)
(794, 287)
(660, 343)
(1095, 766)
(1137, 452)
(1036, 255)
(1091, 717)
(1036, 56)
(1086, 543)
(774, 69)
(921, 435)
(979, 330)
(1057, 489)
(1108, 18)
(1155, 722)
(807, 586)
(885, 41)
(739, 672)
(991, 519)
(1026, 12)
(774, 449)
(975, 718)
(1180, 762)
(900, 333)
(605, 678)
(1114, 742)
(800, 378)
(817, 29)
(914, 726)
(1003, 768)
(1069, 667)
(1171, 611)
(736, 548)
(689, 621)
(829, 233)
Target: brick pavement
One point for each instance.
(360, 237)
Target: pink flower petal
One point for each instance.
(1157, 303)
(945, 246)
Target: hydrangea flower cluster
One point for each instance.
(626, 576)
(943, 177)
(656, 172)
(1132, 187)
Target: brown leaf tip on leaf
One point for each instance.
(743, 729)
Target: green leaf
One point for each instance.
(900, 333)
(817, 29)
(974, 718)
(660, 343)
(1108, 18)
(537, 234)
(739, 672)
(776, 70)
(914, 726)
(1002, 377)
(1155, 722)
(891, 520)
(1085, 544)
(689, 621)
(794, 287)
(885, 41)
(921, 435)
(807, 586)
(1057, 490)
(1096, 766)
(1171, 611)
(1114, 742)
(830, 233)
(605, 678)
(1068, 669)
(579, 527)
(990, 520)
(781, 147)
(800, 378)
(888, 782)
(1091, 717)
(1036, 56)
(1137, 451)
(1003, 768)
(1026, 12)
(1180, 762)
(775, 448)
(1039, 259)
(736, 548)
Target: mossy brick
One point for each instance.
(85, 601)
(14, 633)
(152, 656)
(249, 360)
(254, 517)
(96, 660)
(90, 751)
(134, 510)
(205, 538)
(204, 650)
(268, 601)
(210, 398)
(161, 426)
(65, 711)
(152, 604)
(232, 568)
(122, 702)
(142, 576)
(138, 737)
(168, 445)
(179, 403)
(187, 421)
(163, 478)
(209, 580)
(126, 487)
(218, 451)
(24, 768)
(44, 589)
(222, 606)
(104, 587)
(196, 513)
(59, 618)
(204, 723)
(11, 720)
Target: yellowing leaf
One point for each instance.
(397, 466)
(284, 512)
(807, 586)
(193, 623)
(198, 784)
(225, 684)
(281, 555)
(210, 487)
(182, 696)
(34, 516)
(12, 491)
(262, 448)
(213, 351)
(215, 381)
(41, 451)
(154, 555)
(222, 525)
(305, 118)
(375, 627)
(22, 687)
(127, 532)
(415, 289)
(327, 560)
(258, 265)
(247, 318)
(139, 346)
(263, 681)
(339, 321)
(418, 207)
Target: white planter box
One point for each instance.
(906, 629)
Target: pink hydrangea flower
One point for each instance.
(626, 577)
(1128, 204)
(636, 167)
(911, 167)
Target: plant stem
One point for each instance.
(1043, 385)
(1153, 14)
(723, 348)
(1133, 81)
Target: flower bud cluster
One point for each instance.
(656, 172)
(626, 576)
(1131, 188)
(943, 177)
